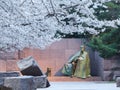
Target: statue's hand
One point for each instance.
(80, 58)
(73, 63)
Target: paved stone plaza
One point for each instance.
(97, 85)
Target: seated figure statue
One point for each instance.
(80, 64)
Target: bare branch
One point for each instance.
(20, 13)
(6, 9)
(23, 3)
(45, 6)
(32, 2)
(3, 8)
(54, 12)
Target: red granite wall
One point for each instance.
(53, 56)
(8, 61)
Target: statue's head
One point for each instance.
(82, 47)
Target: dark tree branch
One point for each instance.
(54, 12)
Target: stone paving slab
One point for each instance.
(97, 85)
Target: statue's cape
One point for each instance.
(74, 57)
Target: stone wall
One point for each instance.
(55, 55)
(108, 69)
(99, 61)
(52, 57)
(111, 68)
(8, 61)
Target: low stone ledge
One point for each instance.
(3, 76)
(20, 83)
(40, 81)
(107, 76)
(9, 74)
(116, 74)
(23, 82)
(1, 82)
(5, 88)
(118, 81)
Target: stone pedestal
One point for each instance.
(29, 66)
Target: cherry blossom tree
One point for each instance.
(34, 23)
